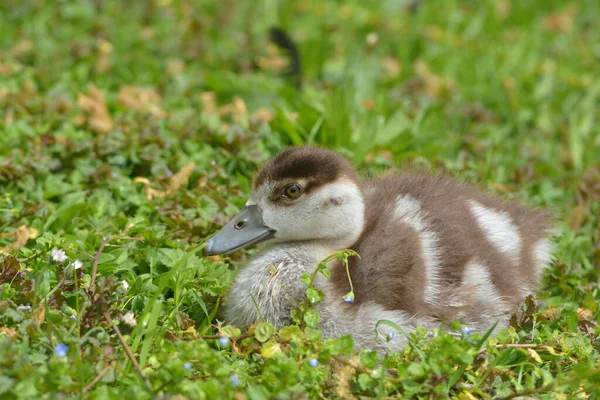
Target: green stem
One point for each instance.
(257, 308)
(348, 275)
(50, 293)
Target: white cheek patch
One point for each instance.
(314, 217)
(346, 211)
(499, 230)
(408, 211)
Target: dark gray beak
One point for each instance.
(244, 230)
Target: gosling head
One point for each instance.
(304, 194)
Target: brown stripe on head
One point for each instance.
(313, 164)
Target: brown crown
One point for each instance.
(319, 166)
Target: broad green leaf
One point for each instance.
(270, 349)
(291, 332)
(370, 359)
(230, 331)
(263, 331)
(312, 318)
(305, 278)
(314, 295)
(342, 345)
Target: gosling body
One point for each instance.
(432, 250)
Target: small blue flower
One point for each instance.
(234, 380)
(466, 331)
(391, 336)
(313, 362)
(224, 342)
(74, 318)
(61, 350)
(24, 308)
(187, 366)
(349, 297)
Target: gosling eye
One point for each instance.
(292, 191)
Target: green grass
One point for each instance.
(504, 94)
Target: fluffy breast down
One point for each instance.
(268, 287)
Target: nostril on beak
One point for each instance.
(240, 224)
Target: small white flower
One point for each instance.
(125, 284)
(58, 255)
(372, 39)
(77, 264)
(129, 319)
